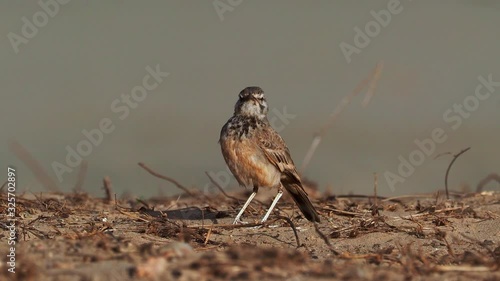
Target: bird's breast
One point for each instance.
(248, 163)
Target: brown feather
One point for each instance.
(276, 151)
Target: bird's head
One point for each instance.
(252, 103)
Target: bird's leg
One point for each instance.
(278, 196)
(237, 219)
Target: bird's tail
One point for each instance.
(299, 195)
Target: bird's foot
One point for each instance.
(239, 221)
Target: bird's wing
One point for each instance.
(276, 151)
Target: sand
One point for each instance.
(74, 236)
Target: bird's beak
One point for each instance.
(255, 99)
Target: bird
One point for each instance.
(258, 156)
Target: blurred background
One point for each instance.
(84, 55)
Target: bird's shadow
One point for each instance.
(188, 213)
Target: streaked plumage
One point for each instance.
(258, 156)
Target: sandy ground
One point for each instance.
(76, 237)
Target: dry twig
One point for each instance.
(375, 76)
(375, 202)
(250, 225)
(81, 177)
(132, 216)
(372, 79)
(323, 236)
(208, 235)
(289, 221)
(344, 213)
(221, 189)
(462, 268)
(409, 217)
(448, 170)
(3, 185)
(36, 168)
(176, 183)
(107, 189)
(491, 177)
(427, 195)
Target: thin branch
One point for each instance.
(3, 185)
(344, 213)
(176, 183)
(251, 225)
(381, 198)
(375, 201)
(491, 177)
(360, 196)
(323, 236)
(230, 226)
(372, 78)
(36, 168)
(293, 228)
(373, 83)
(81, 177)
(463, 268)
(208, 235)
(427, 195)
(412, 196)
(220, 188)
(442, 154)
(448, 170)
(409, 217)
(107, 189)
